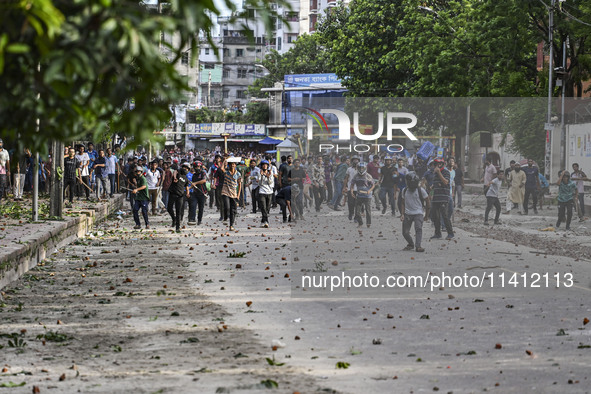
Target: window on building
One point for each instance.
(226, 73)
(226, 52)
(241, 94)
(241, 73)
(291, 38)
(226, 94)
(208, 66)
(278, 43)
(251, 13)
(239, 52)
(207, 51)
(185, 58)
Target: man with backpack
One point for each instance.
(415, 209)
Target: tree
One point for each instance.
(361, 38)
(307, 56)
(69, 68)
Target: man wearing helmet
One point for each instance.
(414, 202)
(441, 180)
(363, 185)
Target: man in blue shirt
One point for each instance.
(532, 185)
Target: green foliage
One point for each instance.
(307, 56)
(525, 122)
(74, 65)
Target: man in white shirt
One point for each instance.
(154, 180)
(84, 160)
(4, 170)
(111, 168)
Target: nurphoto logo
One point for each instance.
(344, 127)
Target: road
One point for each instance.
(154, 311)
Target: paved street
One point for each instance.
(153, 311)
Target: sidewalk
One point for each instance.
(25, 243)
(537, 231)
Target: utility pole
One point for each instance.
(548, 127)
(562, 125)
(56, 197)
(467, 142)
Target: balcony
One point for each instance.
(313, 6)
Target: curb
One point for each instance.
(29, 250)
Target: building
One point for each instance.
(226, 75)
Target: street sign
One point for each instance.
(548, 126)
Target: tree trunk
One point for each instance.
(56, 200)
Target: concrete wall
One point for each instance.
(24, 249)
(476, 162)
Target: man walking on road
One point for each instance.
(532, 185)
(578, 176)
(415, 201)
(516, 188)
(154, 180)
(179, 188)
(141, 199)
(567, 193)
(492, 197)
(71, 165)
(441, 186)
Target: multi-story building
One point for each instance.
(225, 76)
(318, 9)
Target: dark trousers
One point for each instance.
(562, 207)
(338, 193)
(389, 193)
(283, 204)
(319, 192)
(351, 205)
(131, 200)
(230, 209)
(219, 202)
(254, 194)
(71, 185)
(211, 197)
(3, 185)
(174, 208)
(143, 205)
(440, 211)
(407, 224)
(530, 192)
(196, 206)
(112, 184)
(359, 204)
(490, 202)
(329, 191)
(265, 206)
(82, 188)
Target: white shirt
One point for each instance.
(351, 171)
(84, 160)
(266, 184)
(4, 157)
(493, 190)
(152, 178)
(255, 174)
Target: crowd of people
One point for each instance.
(417, 190)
